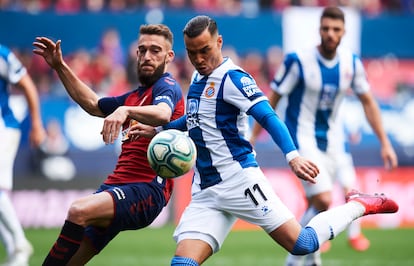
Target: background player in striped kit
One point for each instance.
(228, 183)
(315, 82)
(133, 195)
(13, 72)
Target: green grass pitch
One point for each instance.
(155, 247)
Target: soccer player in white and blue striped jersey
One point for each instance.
(12, 72)
(228, 183)
(314, 82)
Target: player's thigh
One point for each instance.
(345, 172)
(95, 209)
(325, 178)
(254, 200)
(201, 220)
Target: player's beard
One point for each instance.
(329, 47)
(147, 79)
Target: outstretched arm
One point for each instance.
(257, 128)
(77, 90)
(267, 118)
(140, 129)
(151, 115)
(373, 115)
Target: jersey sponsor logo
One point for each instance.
(125, 132)
(249, 86)
(210, 91)
(328, 95)
(192, 111)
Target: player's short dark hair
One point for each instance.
(157, 29)
(198, 24)
(333, 12)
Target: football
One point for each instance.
(171, 153)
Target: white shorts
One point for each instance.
(246, 195)
(345, 173)
(333, 167)
(9, 144)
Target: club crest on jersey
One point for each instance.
(249, 86)
(210, 91)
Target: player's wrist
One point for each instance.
(158, 129)
(292, 155)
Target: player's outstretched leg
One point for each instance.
(328, 224)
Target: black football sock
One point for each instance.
(66, 245)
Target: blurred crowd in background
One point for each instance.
(110, 68)
(230, 7)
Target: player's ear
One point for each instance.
(170, 56)
(220, 41)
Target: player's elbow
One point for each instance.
(163, 116)
(163, 120)
(91, 107)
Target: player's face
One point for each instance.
(331, 31)
(204, 51)
(153, 54)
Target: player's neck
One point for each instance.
(326, 54)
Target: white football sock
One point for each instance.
(7, 240)
(330, 223)
(10, 221)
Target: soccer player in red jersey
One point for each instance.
(133, 194)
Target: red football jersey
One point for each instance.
(132, 165)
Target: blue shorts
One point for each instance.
(136, 206)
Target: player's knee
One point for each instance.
(321, 202)
(183, 261)
(77, 213)
(306, 243)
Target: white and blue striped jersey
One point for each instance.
(218, 123)
(315, 87)
(11, 71)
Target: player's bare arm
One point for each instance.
(153, 115)
(37, 131)
(304, 169)
(373, 115)
(52, 53)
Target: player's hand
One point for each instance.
(113, 123)
(304, 169)
(389, 157)
(49, 50)
(37, 136)
(141, 130)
